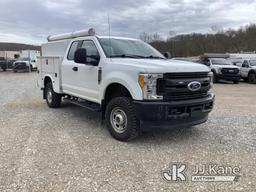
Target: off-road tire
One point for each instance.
(55, 100)
(132, 129)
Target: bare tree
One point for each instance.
(146, 37)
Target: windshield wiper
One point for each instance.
(127, 56)
(154, 57)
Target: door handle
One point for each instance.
(75, 68)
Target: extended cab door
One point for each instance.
(69, 71)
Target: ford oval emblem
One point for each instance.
(194, 86)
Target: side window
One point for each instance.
(72, 50)
(91, 48)
(208, 63)
(245, 64)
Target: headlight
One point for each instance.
(211, 78)
(148, 84)
(219, 70)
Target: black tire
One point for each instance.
(236, 82)
(4, 69)
(132, 128)
(215, 79)
(53, 99)
(14, 71)
(252, 78)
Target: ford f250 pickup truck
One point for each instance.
(222, 69)
(128, 81)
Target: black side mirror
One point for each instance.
(81, 56)
(167, 55)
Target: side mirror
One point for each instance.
(81, 56)
(167, 55)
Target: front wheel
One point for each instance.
(53, 99)
(236, 82)
(252, 78)
(121, 119)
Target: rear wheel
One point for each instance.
(53, 99)
(252, 78)
(121, 119)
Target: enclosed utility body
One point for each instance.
(127, 80)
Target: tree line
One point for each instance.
(219, 41)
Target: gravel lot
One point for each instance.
(68, 149)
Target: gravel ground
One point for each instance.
(68, 149)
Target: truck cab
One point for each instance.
(222, 69)
(248, 70)
(128, 81)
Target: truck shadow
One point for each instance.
(161, 136)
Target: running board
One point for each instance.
(85, 104)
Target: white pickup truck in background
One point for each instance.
(222, 69)
(131, 83)
(248, 70)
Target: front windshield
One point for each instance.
(128, 48)
(221, 62)
(253, 62)
(25, 59)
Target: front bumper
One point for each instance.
(174, 114)
(228, 77)
(20, 67)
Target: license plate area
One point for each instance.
(195, 111)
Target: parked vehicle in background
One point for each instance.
(248, 70)
(24, 64)
(6, 63)
(222, 69)
(127, 80)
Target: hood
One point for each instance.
(160, 65)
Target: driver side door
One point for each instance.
(87, 74)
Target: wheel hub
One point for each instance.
(49, 96)
(118, 119)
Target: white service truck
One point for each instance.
(128, 81)
(248, 70)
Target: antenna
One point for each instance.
(109, 33)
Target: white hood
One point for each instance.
(160, 65)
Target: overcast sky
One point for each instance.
(31, 21)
